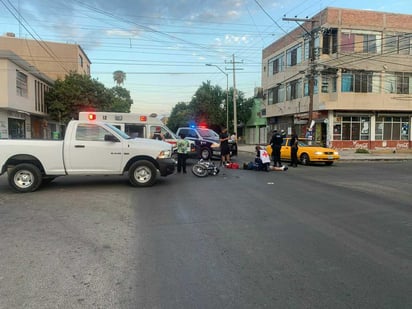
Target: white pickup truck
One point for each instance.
(87, 149)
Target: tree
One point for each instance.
(180, 116)
(119, 77)
(78, 93)
(208, 106)
(120, 101)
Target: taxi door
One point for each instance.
(285, 150)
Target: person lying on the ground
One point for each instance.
(262, 162)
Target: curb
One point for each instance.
(362, 157)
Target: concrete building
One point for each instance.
(28, 68)
(22, 110)
(255, 129)
(342, 78)
(55, 60)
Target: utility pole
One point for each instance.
(312, 64)
(233, 62)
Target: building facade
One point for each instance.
(55, 60)
(23, 112)
(28, 68)
(342, 79)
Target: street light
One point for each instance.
(227, 92)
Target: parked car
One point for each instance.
(308, 153)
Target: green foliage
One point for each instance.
(120, 100)
(360, 150)
(180, 116)
(79, 93)
(208, 106)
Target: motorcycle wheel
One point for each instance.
(199, 170)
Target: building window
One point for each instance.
(276, 65)
(398, 82)
(276, 94)
(329, 82)
(306, 86)
(21, 84)
(361, 41)
(270, 96)
(81, 61)
(369, 43)
(294, 55)
(398, 43)
(351, 128)
(360, 81)
(294, 90)
(330, 41)
(392, 128)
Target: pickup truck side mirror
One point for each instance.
(110, 138)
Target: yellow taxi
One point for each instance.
(307, 153)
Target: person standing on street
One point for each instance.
(294, 142)
(182, 153)
(276, 143)
(158, 134)
(224, 146)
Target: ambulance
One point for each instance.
(135, 125)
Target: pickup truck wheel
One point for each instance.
(142, 174)
(205, 154)
(25, 177)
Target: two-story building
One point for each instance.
(343, 78)
(28, 68)
(23, 113)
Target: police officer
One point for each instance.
(276, 143)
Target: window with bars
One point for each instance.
(21, 84)
(276, 65)
(360, 42)
(294, 55)
(398, 82)
(360, 81)
(294, 90)
(398, 43)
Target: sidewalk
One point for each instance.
(351, 155)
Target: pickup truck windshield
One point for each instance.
(121, 133)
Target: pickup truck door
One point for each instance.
(88, 152)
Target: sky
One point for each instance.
(163, 46)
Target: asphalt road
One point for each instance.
(309, 237)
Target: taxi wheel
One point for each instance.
(304, 159)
